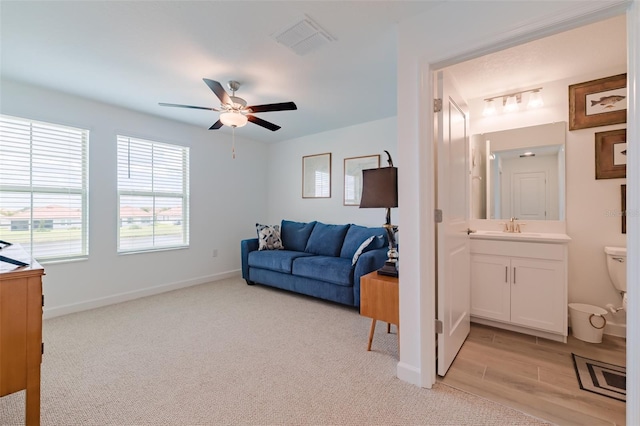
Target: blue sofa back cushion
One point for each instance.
(295, 234)
(357, 234)
(326, 240)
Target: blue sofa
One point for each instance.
(318, 259)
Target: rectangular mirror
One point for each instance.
(519, 173)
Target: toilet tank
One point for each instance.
(617, 266)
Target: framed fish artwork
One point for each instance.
(600, 102)
(611, 154)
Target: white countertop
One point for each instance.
(534, 237)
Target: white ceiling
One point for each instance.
(135, 54)
(587, 49)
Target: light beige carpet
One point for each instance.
(226, 353)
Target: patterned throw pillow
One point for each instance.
(361, 249)
(269, 237)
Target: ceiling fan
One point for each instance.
(234, 111)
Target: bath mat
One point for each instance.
(601, 378)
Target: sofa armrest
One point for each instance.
(246, 247)
(367, 262)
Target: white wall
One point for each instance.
(227, 198)
(592, 204)
(285, 173)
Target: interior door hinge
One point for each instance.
(439, 327)
(42, 348)
(43, 300)
(437, 105)
(437, 216)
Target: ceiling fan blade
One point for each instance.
(218, 90)
(263, 123)
(216, 125)
(283, 106)
(186, 106)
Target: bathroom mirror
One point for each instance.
(519, 173)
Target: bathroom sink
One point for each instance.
(507, 234)
(540, 237)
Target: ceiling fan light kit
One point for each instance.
(233, 119)
(234, 111)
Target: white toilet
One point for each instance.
(617, 267)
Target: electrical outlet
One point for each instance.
(214, 253)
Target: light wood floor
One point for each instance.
(536, 375)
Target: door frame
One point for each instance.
(418, 364)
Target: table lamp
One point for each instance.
(380, 190)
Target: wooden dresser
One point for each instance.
(21, 347)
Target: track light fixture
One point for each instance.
(511, 104)
(535, 99)
(511, 101)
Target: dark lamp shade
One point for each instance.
(379, 188)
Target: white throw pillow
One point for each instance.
(362, 248)
(269, 237)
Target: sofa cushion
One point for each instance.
(357, 234)
(275, 260)
(326, 240)
(269, 237)
(335, 270)
(295, 234)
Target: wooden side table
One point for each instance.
(379, 300)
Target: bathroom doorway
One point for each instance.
(542, 63)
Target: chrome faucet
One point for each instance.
(511, 226)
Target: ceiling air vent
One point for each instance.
(303, 36)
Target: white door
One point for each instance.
(529, 195)
(453, 277)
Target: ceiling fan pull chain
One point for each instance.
(233, 144)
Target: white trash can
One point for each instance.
(587, 322)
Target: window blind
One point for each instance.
(43, 188)
(153, 195)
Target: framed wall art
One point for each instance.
(598, 102)
(353, 168)
(316, 176)
(611, 154)
(623, 207)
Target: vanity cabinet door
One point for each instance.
(490, 287)
(537, 289)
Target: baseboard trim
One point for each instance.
(409, 374)
(524, 330)
(132, 295)
(613, 329)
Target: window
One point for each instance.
(43, 188)
(153, 195)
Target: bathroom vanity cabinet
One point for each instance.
(520, 285)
